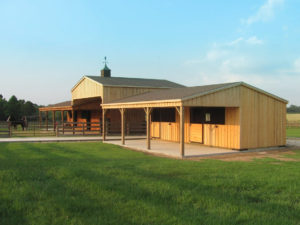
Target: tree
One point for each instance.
(13, 108)
(3, 104)
(293, 109)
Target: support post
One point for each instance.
(47, 120)
(40, 119)
(53, 119)
(122, 125)
(148, 121)
(103, 125)
(181, 116)
(73, 119)
(62, 116)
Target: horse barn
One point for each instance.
(230, 115)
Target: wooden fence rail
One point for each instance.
(293, 124)
(69, 128)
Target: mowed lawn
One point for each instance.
(95, 183)
(293, 132)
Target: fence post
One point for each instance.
(73, 128)
(9, 131)
(83, 129)
(63, 128)
(33, 129)
(57, 131)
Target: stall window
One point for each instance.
(163, 115)
(207, 115)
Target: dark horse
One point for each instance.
(15, 123)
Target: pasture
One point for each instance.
(96, 183)
(293, 117)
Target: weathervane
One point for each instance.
(105, 60)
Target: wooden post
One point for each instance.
(57, 131)
(62, 116)
(53, 119)
(73, 114)
(40, 119)
(181, 116)
(73, 119)
(83, 128)
(9, 131)
(47, 120)
(122, 125)
(148, 122)
(103, 125)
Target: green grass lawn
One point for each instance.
(293, 132)
(95, 183)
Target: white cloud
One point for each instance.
(251, 40)
(228, 63)
(265, 12)
(235, 42)
(254, 41)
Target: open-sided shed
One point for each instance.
(231, 115)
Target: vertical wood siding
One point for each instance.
(87, 89)
(263, 120)
(226, 136)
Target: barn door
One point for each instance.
(155, 131)
(196, 132)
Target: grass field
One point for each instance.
(293, 132)
(95, 183)
(293, 117)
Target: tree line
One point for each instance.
(293, 109)
(16, 108)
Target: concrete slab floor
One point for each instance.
(171, 149)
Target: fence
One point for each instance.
(293, 124)
(112, 128)
(71, 129)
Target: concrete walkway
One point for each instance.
(293, 141)
(62, 139)
(171, 149)
(158, 147)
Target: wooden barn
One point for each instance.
(231, 115)
(92, 91)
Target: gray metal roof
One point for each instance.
(174, 93)
(61, 104)
(134, 82)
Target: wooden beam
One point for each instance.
(122, 125)
(103, 125)
(181, 116)
(148, 120)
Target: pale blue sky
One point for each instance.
(47, 46)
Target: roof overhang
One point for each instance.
(181, 102)
(55, 108)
